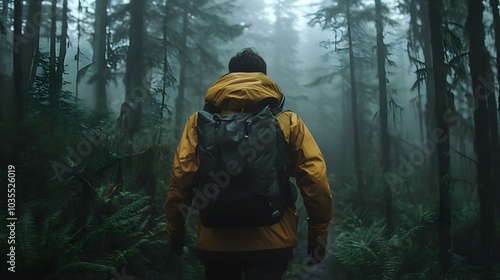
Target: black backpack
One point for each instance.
(243, 178)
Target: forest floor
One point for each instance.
(317, 272)
(322, 271)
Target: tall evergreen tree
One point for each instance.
(494, 114)
(136, 91)
(441, 132)
(354, 100)
(180, 101)
(31, 48)
(54, 98)
(382, 84)
(283, 66)
(17, 62)
(62, 47)
(200, 25)
(480, 71)
(5, 8)
(99, 55)
(166, 76)
(419, 41)
(341, 16)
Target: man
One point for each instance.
(261, 252)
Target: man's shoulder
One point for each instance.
(192, 120)
(288, 117)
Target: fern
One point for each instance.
(120, 219)
(85, 268)
(26, 238)
(365, 251)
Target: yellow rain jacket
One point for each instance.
(232, 92)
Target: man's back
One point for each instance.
(236, 92)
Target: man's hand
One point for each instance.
(317, 252)
(177, 245)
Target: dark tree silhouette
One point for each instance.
(494, 114)
(99, 57)
(180, 101)
(442, 134)
(5, 8)
(480, 72)
(354, 101)
(135, 89)
(430, 121)
(166, 75)
(17, 62)
(420, 42)
(54, 97)
(382, 85)
(62, 48)
(30, 50)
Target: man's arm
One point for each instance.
(180, 191)
(309, 169)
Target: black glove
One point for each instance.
(176, 245)
(317, 252)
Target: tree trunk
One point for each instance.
(34, 66)
(99, 58)
(432, 175)
(135, 91)
(165, 64)
(496, 23)
(79, 35)
(53, 96)
(5, 9)
(6, 95)
(493, 113)
(346, 136)
(354, 107)
(17, 62)
(179, 101)
(62, 48)
(382, 84)
(443, 145)
(30, 49)
(481, 71)
(417, 13)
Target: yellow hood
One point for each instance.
(238, 90)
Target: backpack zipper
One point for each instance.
(216, 142)
(248, 122)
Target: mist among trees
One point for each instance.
(402, 97)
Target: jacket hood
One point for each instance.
(238, 90)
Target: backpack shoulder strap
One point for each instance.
(211, 108)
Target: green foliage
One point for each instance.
(77, 228)
(365, 250)
(56, 246)
(123, 220)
